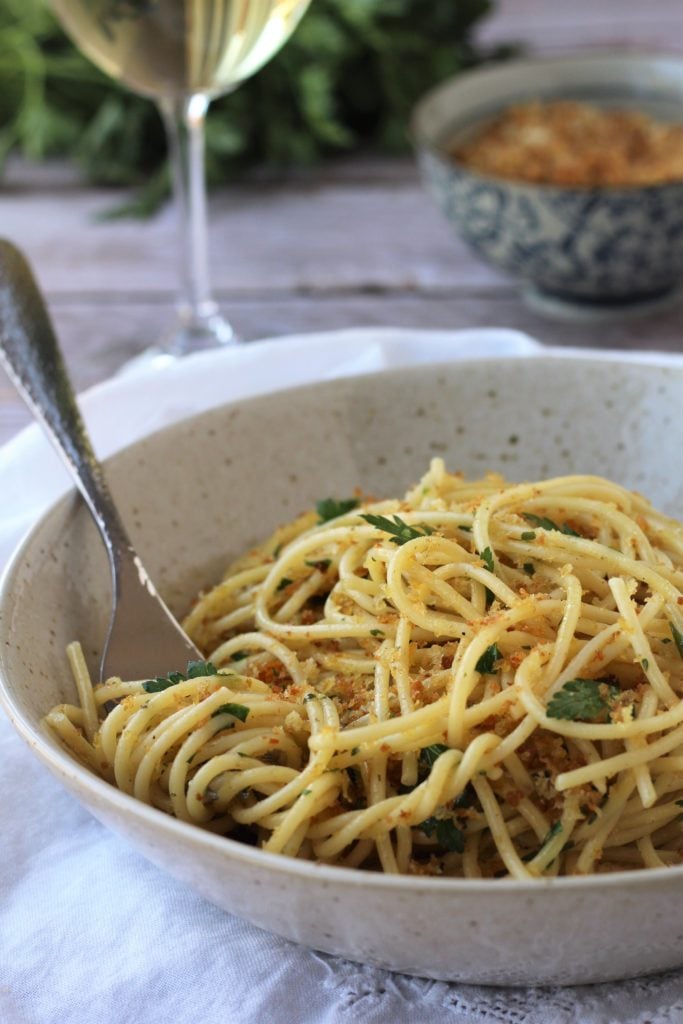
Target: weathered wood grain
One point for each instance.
(98, 338)
(354, 242)
(302, 235)
(550, 25)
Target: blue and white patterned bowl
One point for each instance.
(585, 245)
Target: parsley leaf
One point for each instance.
(547, 524)
(486, 663)
(553, 831)
(322, 565)
(198, 669)
(401, 531)
(428, 755)
(284, 582)
(467, 798)
(582, 699)
(195, 670)
(236, 710)
(446, 833)
(678, 638)
(487, 558)
(528, 535)
(332, 508)
(377, 632)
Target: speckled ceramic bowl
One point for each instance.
(240, 469)
(600, 246)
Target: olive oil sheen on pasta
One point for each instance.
(180, 47)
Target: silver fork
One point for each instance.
(144, 639)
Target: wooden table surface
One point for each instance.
(354, 243)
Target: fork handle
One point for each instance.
(30, 354)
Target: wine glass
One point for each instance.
(183, 53)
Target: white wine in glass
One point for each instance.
(183, 53)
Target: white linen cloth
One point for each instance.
(90, 932)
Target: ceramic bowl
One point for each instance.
(240, 469)
(601, 246)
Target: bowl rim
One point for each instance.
(72, 774)
(421, 141)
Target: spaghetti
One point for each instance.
(483, 679)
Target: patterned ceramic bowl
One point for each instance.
(587, 246)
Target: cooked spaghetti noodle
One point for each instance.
(482, 680)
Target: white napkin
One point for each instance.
(90, 933)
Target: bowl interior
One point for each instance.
(652, 84)
(198, 493)
(201, 492)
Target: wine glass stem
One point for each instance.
(201, 324)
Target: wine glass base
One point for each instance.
(195, 335)
(209, 333)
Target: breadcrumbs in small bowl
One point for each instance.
(566, 172)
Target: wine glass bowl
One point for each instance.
(181, 54)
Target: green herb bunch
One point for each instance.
(349, 76)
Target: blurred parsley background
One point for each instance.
(347, 78)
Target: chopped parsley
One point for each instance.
(238, 655)
(332, 508)
(529, 535)
(582, 699)
(467, 798)
(553, 831)
(195, 670)
(199, 669)
(354, 751)
(377, 632)
(487, 558)
(547, 524)
(645, 663)
(446, 833)
(236, 710)
(284, 582)
(529, 568)
(428, 755)
(322, 565)
(678, 638)
(400, 530)
(486, 663)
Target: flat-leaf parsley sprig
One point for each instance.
(195, 670)
(401, 531)
(583, 699)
